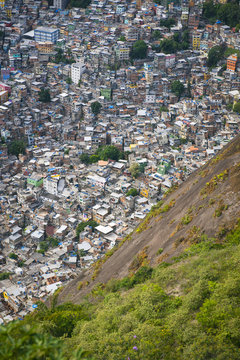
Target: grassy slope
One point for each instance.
(189, 309)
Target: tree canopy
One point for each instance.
(60, 57)
(49, 242)
(132, 192)
(177, 88)
(236, 107)
(96, 107)
(228, 13)
(139, 50)
(17, 147)
(135, 170)
(44, 96)
(215, 54)
(103, 153)
(84, 224)
(167, 22)
(178, 42)
(79, 3)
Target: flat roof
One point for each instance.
(46, 29)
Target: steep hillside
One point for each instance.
(206, 204)
(175, 293)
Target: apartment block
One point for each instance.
(77, 69)
(46, 34)
(60, 4)
(232, 62)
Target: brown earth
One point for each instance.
(164, 231)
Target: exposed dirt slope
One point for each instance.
(206, 203)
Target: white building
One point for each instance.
(53, 184)
(77, 70)
(60, 4)
(122, 51)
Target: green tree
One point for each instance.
(96, 107)
(228, 13)
(44, 96)
(236, 107)
(24, 342)
(156, 35)
(94, 159)
(215, 54)
(132, 192)
(80, 3)
(4, 275)
(49, 242)
(17, 147)
(53, 242)
(122, 38)
(177, 88)
(237, 28)
(135, 170)
(81, 253)
(163, 109)
(13, 256)
(84, 158)
(139, 50)
(43, 246)
(69, 81)
(84, 224)
(167, 22)
(109, 152)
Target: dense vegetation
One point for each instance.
(4, 275)
(218, 53)
(132, 192)
(177, 88)
(84, 224)
(178, 42)
(80, 3)
(189, 309)
(60, 57)
(49, 242)
(167, 22)
(44, 96)
(228, 13)
(139, 50)
(17, 147)
(103, 153)
(96, 107)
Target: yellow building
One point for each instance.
(144, 192)
(8, 11)
(2, 3)
(45, 47)
(184, 16)
(196, 41)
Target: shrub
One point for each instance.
(139, 260)
(160, 250)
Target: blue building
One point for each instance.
(46, 34)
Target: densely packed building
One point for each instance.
(56, 63)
